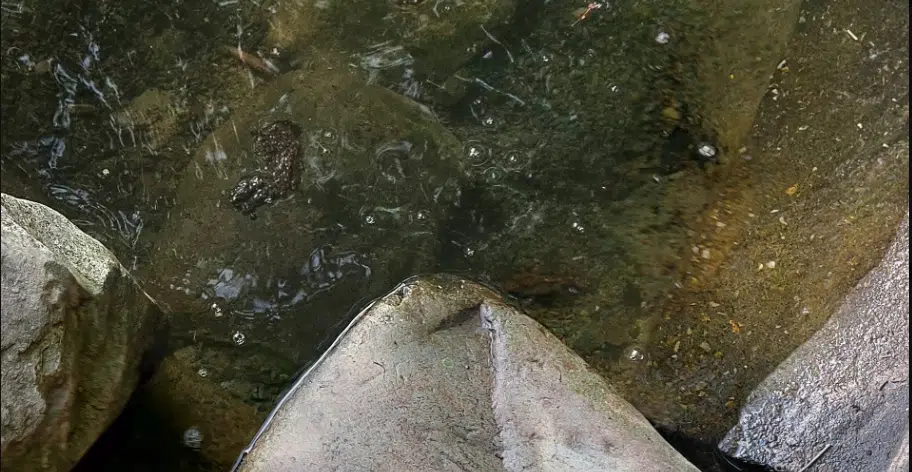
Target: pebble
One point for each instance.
(705, 254)
(705, 346)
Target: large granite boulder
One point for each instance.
(841, 400)
(443, 375)
(74, 329)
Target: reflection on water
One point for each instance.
(125, 226)
(526, 151)
(252, 297)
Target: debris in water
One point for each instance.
(825, 448)
(735, 326)
(252, 61)
(583, 13)
(663, 38)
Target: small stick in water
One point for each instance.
(816, 458)
(252, 61)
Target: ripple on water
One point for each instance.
(127, 226)
(255, 297)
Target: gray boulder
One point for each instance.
(443, 375)
(841, 400)
(74, 328)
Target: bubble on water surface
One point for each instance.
(238, 337)
(217, 310)
(706, 150)
(633, 354)
(493, 174)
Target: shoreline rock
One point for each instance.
(442, 374)
(75, 327)
(844, 392)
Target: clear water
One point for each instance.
(556, 158)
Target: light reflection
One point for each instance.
(250, 296)
(127, 226)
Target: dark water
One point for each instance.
(556, 158)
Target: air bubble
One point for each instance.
(707, 150)
(634, 354)
(493, 175)
(238, 338)
(369, 219)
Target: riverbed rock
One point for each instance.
(845, 392)
(438, 36)
(441, 375)
(370, 176)
(74, 329)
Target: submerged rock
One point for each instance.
(439, 36)
(74, 329)
(840, 400)
(443, 375)
(358, 168)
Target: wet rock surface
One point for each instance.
(74, 329)
(845, 392)
(806, 209)
(442, 375)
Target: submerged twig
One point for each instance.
(256, 63)
(492, 38)
(816, 458)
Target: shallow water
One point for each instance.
(556, 158)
